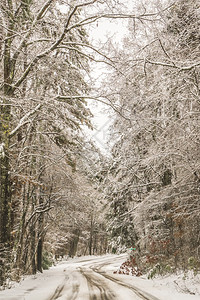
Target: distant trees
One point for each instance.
(76, 224)
(154, 176)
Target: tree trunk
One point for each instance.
(39, 255)
(5, 182)
(91, 236)
(5, 187)
(33, 248)
(40, 235)
(5, 226)
(74, 243)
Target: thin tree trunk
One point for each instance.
(33, 248)
(74, 243)
(40, 236)
(5, 182)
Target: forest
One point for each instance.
(60, 195)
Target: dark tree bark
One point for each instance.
(39, 255)
(5, 182)
(74, 243)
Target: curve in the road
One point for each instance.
(97, 282)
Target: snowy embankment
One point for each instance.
(66, 276)
(180, 286)
(35, 287)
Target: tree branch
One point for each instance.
(37, 18)
(23, 120)
(97, 98)
(159, 63)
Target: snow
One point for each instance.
(174, 287)
(163, 288)
(67, 279)
(30, 287)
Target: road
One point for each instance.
(79, 279)
(89, 280)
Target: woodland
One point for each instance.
(60, 195)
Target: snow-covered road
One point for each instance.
(89, 278)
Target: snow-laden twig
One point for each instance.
(25, 120)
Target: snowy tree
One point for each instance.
(33, 114)
(156, 157)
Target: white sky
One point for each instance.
(99, 34)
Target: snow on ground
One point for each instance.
(43, 286)
(170, 287)
(31, 286)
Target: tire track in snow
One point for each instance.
(96, 287)
(143, 295)
(140, 293)
(57, 292)
(60, 290)
(98, 284)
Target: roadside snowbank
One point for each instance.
(180, 286)
(30, 286)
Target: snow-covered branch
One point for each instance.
(24, 120)
(173, 65)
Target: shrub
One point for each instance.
(47, 260)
